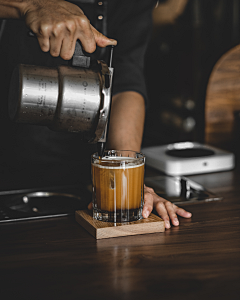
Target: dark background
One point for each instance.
(179, 60)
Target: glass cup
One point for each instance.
(118, 186)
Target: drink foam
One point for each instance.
(112, 159)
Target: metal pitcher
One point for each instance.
(73, 98)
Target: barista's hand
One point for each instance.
(58, 24)
(166, 210)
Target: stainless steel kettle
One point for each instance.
(73, 98)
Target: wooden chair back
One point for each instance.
(222, 106)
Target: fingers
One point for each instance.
(85, 34)
(183, 213)
(169, 211)
(150, 199)
(55, 42)
(101, 40)
(62, 42)
(60, 38)
(148, 204)
(90, 206)
(67, 48)
(163, 213)
(166, 209)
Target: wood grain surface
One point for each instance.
(104, 230)
(223, 100)
(58, 259)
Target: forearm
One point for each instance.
(16, 9)
(126, 121)
(12, 9)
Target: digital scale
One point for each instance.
(187, 158)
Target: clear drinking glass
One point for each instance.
(118, 186)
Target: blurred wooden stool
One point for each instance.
(222, 107)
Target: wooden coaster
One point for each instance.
(104, 230)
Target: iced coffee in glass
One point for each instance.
(118, 186)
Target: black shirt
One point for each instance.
(36, 156)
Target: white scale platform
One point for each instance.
(187, 158)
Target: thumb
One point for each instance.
(101, 40)
(90, 206)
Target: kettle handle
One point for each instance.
(78, 59)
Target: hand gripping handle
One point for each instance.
(79, 59)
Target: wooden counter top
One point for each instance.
(200, 259)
